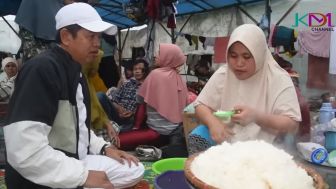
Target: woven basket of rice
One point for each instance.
(199, 184)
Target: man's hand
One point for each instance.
(98, 179)
(112, 134)
(121, 156)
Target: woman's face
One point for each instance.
(128, 73)
(241, 61)
(138, 71)
(11, 69)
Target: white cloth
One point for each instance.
(10, 42)
(332, 60)
(120, 175)
(83, 131)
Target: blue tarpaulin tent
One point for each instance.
(112, 10)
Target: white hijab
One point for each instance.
(269, 90)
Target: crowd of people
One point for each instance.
(66, 129)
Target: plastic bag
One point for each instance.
(148, 153)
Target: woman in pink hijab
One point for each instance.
(165, 95)
(252, 85)
(164, 90)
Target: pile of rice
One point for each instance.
(252, 164)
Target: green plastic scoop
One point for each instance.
(224, 114)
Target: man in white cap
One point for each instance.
(48, 138)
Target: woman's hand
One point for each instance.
(123, 113)
(126, 114)
(121, 156)
(244, 115)
(112, 134)
(220, 132)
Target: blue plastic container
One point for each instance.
(330, 140)
(171, 180)
(326, 113)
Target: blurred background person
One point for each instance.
(10, 67)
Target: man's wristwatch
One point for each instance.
(102, 151)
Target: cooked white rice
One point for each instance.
(246, 165)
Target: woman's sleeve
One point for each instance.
(287, 104)
(6, 90)
(210, 94)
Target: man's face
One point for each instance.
(138, 71)
(84, 46)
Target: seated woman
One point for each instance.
(121, 105)
(255, 86)
(100, 123)
(165, 95)
(10, 67)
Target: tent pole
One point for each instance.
(185, 23)
(11, 27)
(150, 34)
(287, 12)
(165, 29)
(247, 14)
(122, 48)
(268, 12)
(173, 39)
(119, 51)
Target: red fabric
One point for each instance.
(318, 74)
(220, 49)
(140, 116)
(171, 23)
(153, 8)
(130, 140)
(191, 97)
(304, 128)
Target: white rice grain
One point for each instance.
(246, 165)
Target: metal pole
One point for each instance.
(268, 12)
(173, 35)
(289, 10)
(10, 26)
(247, 14)
(119, 51)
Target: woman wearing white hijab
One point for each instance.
(10, 66)
(255, 86)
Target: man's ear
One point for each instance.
(65, 36)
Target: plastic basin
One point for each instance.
(169, 164)
(171, 180)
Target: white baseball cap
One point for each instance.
(85, 16)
